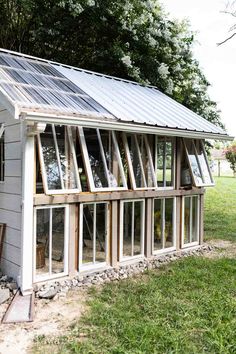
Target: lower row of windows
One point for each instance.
(52, 233)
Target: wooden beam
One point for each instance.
(73, 247)
(148, 227)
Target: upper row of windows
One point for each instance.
(74, 159)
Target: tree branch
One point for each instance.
(227, 39)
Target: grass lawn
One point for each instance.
(220, 210)
(187, 307)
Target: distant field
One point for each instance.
(220, 210)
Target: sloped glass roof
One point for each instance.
(34, 84)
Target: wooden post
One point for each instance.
(148, 227)
(73, 237)
(179, 150)
(114, 233)
(27, 243)
(178, 223)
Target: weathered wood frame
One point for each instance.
(191, 243)
(173, 141)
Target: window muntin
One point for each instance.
(94, 226)
(102, 159)
(2, 154)
(164, 228)
(131, 229)
(190, 220)
(140, 161)
(51, 242)
(164, 162)
(58, 160)
(198, 163)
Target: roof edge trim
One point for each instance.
(121, 126)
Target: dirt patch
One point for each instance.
(222, 248)
(52, 318)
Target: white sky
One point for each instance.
(218, 63)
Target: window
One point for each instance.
(51, 241)
(190, 220)
(131, 229)
(164, 162)
(94, 226)
(102, 159)
(59, 166)
(164, 227)
(198, 163)
(2, 154)
(140, 161)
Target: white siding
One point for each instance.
(11, 196)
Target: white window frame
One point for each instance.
(165, 249)
(88, 166)
(173, 140)
(130, 165)
(141, 255)
(199, 165)
(194, 243)
(91, 266)
(47, 276)
(2, 160)
(43, 167)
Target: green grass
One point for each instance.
(188, 307)
(220, 210)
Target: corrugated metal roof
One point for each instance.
(136, 103)
(52, 88)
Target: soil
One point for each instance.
(54, 316)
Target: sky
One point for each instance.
(217, 62)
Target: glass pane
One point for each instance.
(115, 179)
(50, 159)
(101, 232)
(169, 163)
(80, 161)
(58, 239)
(145, 161)
(87, 242)
(203, 163)
(193, 162)
(95, 158)
(123, 159)
(160, 161)
(127, 229)
(157, 223)
(169, 203)
(42, 240)
(138, 226)
(138, 176)
(67, 163)
(186, 178)
(187, 237)
(195, 219)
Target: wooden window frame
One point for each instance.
(49, 276)
(193, 243)
(92, 186)
(173, 141)
(93, 266)
(164, 249)
(43, 167)
(141, 255)
(199, 164)
(130, 165)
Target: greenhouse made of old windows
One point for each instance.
(95, 171)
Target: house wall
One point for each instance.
(11, 196)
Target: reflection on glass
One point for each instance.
(95, 158)
(137, 227)
(160, 161)
(169, 164)
(50, 159)
(187, 211)
(163, 223)
(193, 162)
(88, 232)
(191, 219)
(124, 161)
(101, 219)
(42, 240)
(164, 162)
(145, 160)
(127, 229)
(158, 224)
(111, 157)
(195, 219)
(169, 222)
(203, 163)
(58, 240)
(136, 164)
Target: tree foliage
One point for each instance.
(230, 154)
(132, 39)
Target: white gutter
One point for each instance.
(91, 122)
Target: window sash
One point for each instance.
(50, 274)
(122, 257)
(199, 165)
(163, 249)
(173, 145)
(197, 221)
(94, 264)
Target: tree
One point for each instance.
(230, 154)
(132, 39)
(230, 9)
